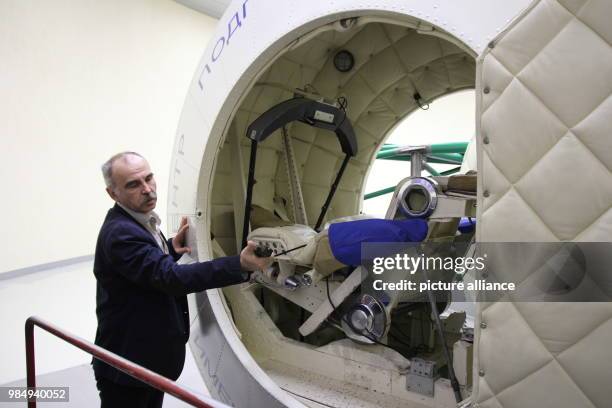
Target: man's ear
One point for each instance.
(111, 193)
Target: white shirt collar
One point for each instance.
(150, 220)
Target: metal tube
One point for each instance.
(451, 171)
(389, 155)
(430, 169)
(455, 147)
(379, 193)
(416, 164)
(295, 187)
(30, 359)
(447, 156)
(434, 158)
(388, 146)
(394, 157)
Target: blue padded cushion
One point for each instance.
(345, 238)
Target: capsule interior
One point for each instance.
(398, 66)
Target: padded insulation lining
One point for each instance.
(392, 62)
(545, 158)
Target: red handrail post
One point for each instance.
(30, 360)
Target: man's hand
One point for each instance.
(179, 242)
(250, 262)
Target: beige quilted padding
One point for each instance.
(545, 158)
(392, 62)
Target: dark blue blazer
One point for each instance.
(141, 301)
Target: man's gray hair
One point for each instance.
(107, 167)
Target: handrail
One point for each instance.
(453, 147)
(134, 370)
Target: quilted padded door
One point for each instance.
(544, 134)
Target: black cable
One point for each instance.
(302, 322)
(446, 352)
(343, 102)
(328, 295)
(376, 341)
(418, 99)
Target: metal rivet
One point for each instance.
(481, 373)
(485, 140)
(491, 44)
(485, 275)
(483, 325)
(486, 90)
(486, 193)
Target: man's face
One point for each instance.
(133, 184)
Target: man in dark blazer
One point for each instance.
(141, 302)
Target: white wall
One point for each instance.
(81, 80)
